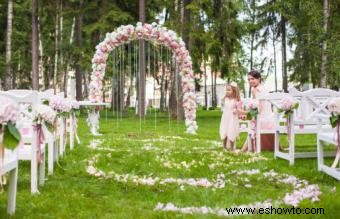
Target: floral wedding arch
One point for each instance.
(157, 35)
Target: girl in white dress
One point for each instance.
(229, 127)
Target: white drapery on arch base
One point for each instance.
(157, 35)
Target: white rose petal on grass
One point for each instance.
(91, 170)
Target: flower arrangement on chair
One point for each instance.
(61, 105)
(334, 108)
(45, 114)
(287, 106)
(9, 134)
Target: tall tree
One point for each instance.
(35, 46)
(8, 74)
(324, 44)
(79, 44)
(141, 84)
(56, 49)
(284, 54)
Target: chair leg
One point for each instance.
(71, 133)
(56, 149)
(320, 154)
(77, 138)
(277, 140)
(50, 156)
(249, 141)
(291, 150)
(62, 139)
(12, 191)
(258, 141)
(42, 170)
(34, 171)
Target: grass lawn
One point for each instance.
(135, 165)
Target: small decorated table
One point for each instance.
(93, 117)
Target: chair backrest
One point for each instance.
(26, 99)
(313, 102)
(61, 94)
(274, 98)
(23, 96)
(45, 95)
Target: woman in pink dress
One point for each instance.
(229, 127)
(265, 111)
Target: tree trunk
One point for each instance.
(186, 39)
(284, 57)
(61, 27)
(46, 75)
(173, 95)
(127, 105)
(215, 93)
(251, 58)
(7, 78)
(166, 91)
(56, 50)
(41, 61)
(324, 44)
(275, 71)
(69, 56)
(205, 84)
(122, 84)
(141, 90)
(163, 98)
(212, 87)
(19, 69)
(85, 87)
(35, 46)
(79, 43)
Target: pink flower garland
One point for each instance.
(157, 35)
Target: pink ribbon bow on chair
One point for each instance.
(40, 139)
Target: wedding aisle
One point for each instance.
(163, 173)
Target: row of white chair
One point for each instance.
(27, 100)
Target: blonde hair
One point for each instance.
(236, 93)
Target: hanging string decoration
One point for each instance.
(157, 35)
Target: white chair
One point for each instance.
(49, 136)
(327, 137)
(10, 165)
(303, 121)
(25, 99)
